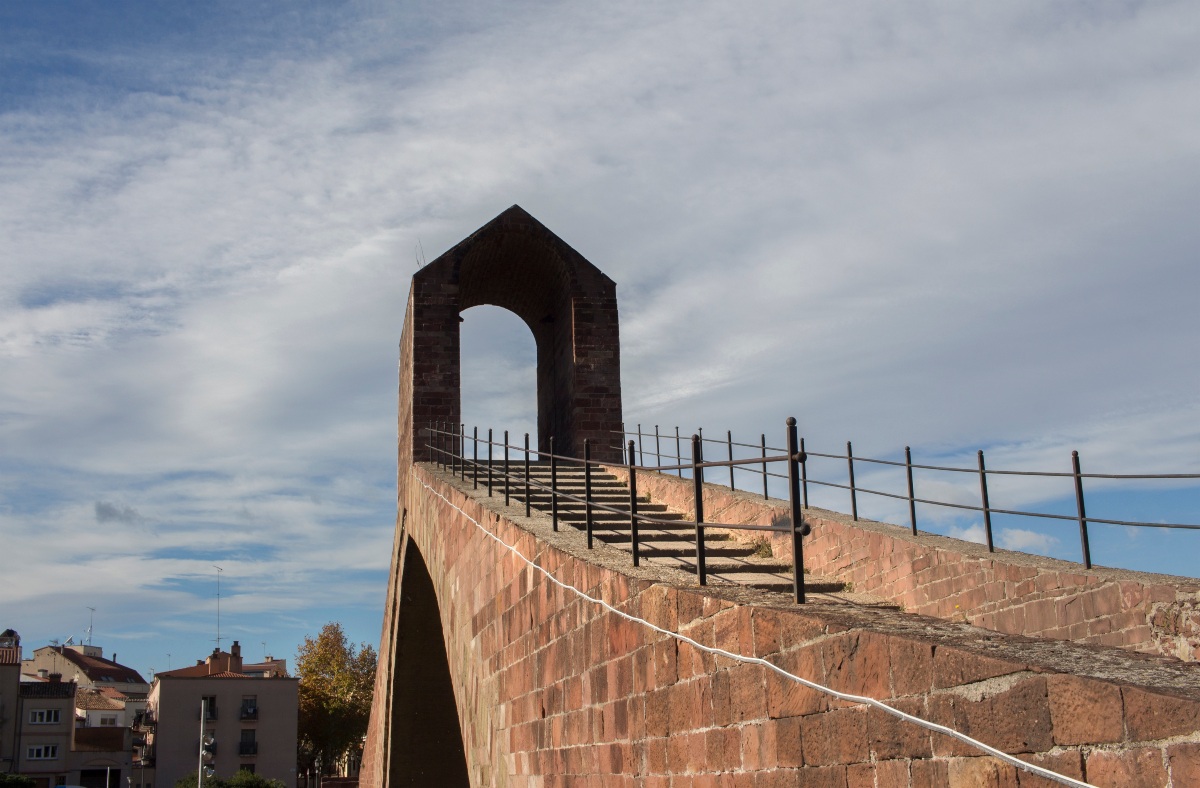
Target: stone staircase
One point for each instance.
(727, 561)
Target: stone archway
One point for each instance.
(516, 263)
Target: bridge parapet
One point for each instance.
(552, 689)
(1005, 591)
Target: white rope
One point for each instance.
(860, 699)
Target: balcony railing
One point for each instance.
(248, 748)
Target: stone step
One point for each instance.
(661, 543)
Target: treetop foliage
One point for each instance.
(337, 683)
(241, 779)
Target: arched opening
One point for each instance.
(426, 738)
(568, 305)
(498, 374)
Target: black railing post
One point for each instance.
(1083, 531)
(804, 473)
(587, 487)
(633, 518)
(764, 456)
(796, 459)
(462, 451)
(729, 443)
(489, 478)
(641, 451)
(506, 468)
(527, 475)
(987, 509)
(657, 447)
(912, 498)
(853, 492)
(678, 453)
(698, 491)
(554, 485)
(437, 443)
(475, 458)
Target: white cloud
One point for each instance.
(968, 533)
(947, 227)
(1026, 541)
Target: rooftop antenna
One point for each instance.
(91, 620)
(264, 645)
(219, 571)
(168, 660)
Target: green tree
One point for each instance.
(245, 779)
(209, 782)
(241, 779)
(337, 682)
(15, 781)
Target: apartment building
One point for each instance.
(251, 720)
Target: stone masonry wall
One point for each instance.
(553, 690)
(932, 575)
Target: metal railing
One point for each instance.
(910, 497)
(448, 447)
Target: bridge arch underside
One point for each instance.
(515, 263)
(424, 713)
(553, 690)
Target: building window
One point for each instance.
(42, 752)
(43, 716)
(249, 707)
(249, 744)
(210, 707)
(108, 721)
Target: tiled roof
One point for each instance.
(191, 671)
(47, 689)
(91, 700)
(10, 655)
(101, 669)
(112, 692)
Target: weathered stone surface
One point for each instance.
(549, 685)
(1009, 592)
(554, 690)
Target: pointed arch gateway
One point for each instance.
(516, 263)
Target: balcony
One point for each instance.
(248, 748)
(249, 713)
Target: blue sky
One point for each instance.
(905, 224)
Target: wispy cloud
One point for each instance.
(949, 227)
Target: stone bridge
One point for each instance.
(512, 654)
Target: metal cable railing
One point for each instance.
(980, 471)
(448, 447)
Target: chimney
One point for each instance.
(235, 657)
(42, 673)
